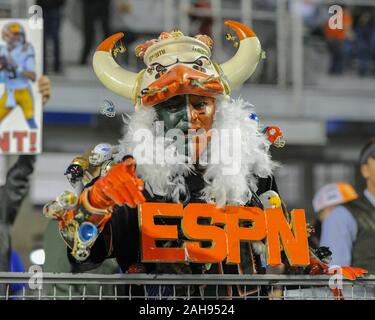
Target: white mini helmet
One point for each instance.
(102, 152)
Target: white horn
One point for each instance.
(243, 64)
(114, 77)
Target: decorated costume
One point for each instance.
(188, 91)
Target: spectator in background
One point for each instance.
(52, 11)
(94, 10)
(363, 31)
(121, 11)
(325, 200)
(14, 191)
(336, 40)
(349, 230)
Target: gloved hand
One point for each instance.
(318, 267)
(348, 272)
(120, 186)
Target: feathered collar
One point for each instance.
(228, 180)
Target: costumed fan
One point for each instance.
(185, 90)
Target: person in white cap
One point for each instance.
(348, 225)
(330, 196)
(338, 225)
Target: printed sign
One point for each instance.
(21, 58)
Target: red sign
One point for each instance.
(18, 141)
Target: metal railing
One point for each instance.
(53, 286)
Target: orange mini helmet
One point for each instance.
(275, 136)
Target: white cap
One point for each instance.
(333, 194)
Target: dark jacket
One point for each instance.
(11, 196)
(363, 253)
(50, 4)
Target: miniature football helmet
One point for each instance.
(57, 209)
(324, 254)
(102, 152)
(275, 136)
(53, 210)
(67, 200)
(108, 108)
(74, 173)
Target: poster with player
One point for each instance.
(21, 61)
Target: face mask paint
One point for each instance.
(174, 114)
(189, 113)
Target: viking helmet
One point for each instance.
(178, 64)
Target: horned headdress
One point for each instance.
(178, 64)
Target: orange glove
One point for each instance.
(120, 186)
(350, 273)
(319, 267)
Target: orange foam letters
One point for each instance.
(152, 232)
(236, 233)
(218, 250)
(278, 230)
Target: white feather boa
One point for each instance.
(167, 178)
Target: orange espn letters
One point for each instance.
(226, 229)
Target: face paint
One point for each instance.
(174, 113)
(202, 111)
(188, 113)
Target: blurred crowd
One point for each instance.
(353, 46)
(351, 49)
(104, 17)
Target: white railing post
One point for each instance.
(168, 15)
(184, 7)
(247, 12)
(217, 28)
(282, 38)
(297, 54)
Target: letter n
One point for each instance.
(4, 142)
(295, 245)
